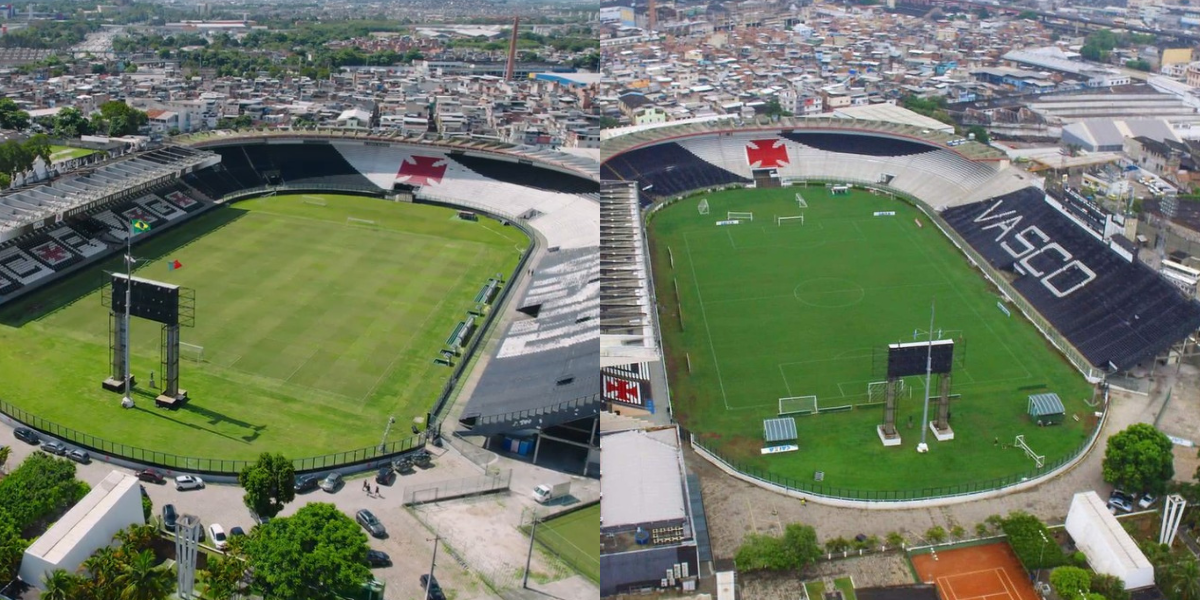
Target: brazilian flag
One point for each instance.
(139, 226)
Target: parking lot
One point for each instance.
(409, 544)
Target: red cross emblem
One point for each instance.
(767, 153)
(52, 253)
(137, 214)
(423, 170)
(620, 390)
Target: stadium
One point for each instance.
(306, 292)
(814, 281)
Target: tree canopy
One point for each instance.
(313, 555)
(1031, 541)
(795, 549)
(269, 484)
(1139, 459)
(11, 116)
(117, 119)
(1070, 582)
(39, 490)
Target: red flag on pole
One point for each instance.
(174, 265)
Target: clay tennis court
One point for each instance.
(990, 572)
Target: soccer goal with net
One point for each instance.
(1038, 459)
(800, 201)
(191, 352)
(703, 207)
(877, 390)
(315, 201)
(740, 216)
(792, 220)
(798, 405)
(360, 222)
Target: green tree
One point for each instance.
(59, 585)
(1139, 459)
(1070, 582)
(141, 578)
(119, 119)
(70, 123)
(11, 116)
(800, 545)
(39, 490)
(1028, 14)
(760, 552)
(223, 577)
(981, 134)
(774, 109)
(894, 539)
(1109, 586)
(1033, 544)
(135, 538)
(1183, 579)
(269, 483)
(102, 569)
(315, 554)
(12, 547)
(147, 507)
(5, 453)
(935, 534)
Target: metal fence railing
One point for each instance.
(457, 488)
(263, 190)
(191, 464)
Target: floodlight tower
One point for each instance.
(923, 447)
(511, 67)
(127, 401)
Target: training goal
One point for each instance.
(703, 207)
(800, 201)
(740, 216)
(877, 390)
(792, 220)
(315, 201)
(361, 222)
(1038, 459)
(191, 352)
(798, 405)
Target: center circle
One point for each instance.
(829, 292)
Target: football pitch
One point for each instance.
(762, 310)
(573, 538)
(315, 329)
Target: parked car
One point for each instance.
(371, 523)
(27, 435)
(152, 476)
(218, 536)
(375, 558)
(332, 482)
(236, 532)
(1146, 501)
(306, 483)
(169, 517)
(1120, 502)
(384, 476)
(79, 456)
(258, 519)
(55, 447)
(429, 582)
(188, 482)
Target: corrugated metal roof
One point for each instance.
(643, 480)
(1045, 404)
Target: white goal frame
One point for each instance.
(800, 201)
(740, 216)
(313, 200)
(789, 219)
(1038, 459)
(802, 405)
(192, 352)
(703, 206)
(360, 222)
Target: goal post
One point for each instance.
(741, 216)
(1038, 459)
(360, 222)
(800, 201)
(877, 390)
(315, 201)
(192, 352)
(798, 405)
(703, 206)
(790, 220)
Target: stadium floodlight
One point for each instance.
(923, 447)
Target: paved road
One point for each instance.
(409, 543)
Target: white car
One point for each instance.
(188, 482)
(1147, 501)
(217, 534)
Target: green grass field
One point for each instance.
(765, 311)
(58, 153)
(314, 330)
(573, 538)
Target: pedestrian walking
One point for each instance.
(376, 490)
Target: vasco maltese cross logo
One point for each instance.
(762, 154)
(423, 170)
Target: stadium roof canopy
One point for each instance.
(890, 113)
(626, 316)
(972, 150)
(643, 479)
(1102, 133)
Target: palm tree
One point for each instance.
(142, 579)
(103, 566)
(1184, 579)
(60, 585)
(135, 538)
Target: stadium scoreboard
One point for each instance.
(909, 359)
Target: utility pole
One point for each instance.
(432, 564)
(923, 447)
(529, 556)
(127, 401)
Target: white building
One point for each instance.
(111, 506)
(1109, 548)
